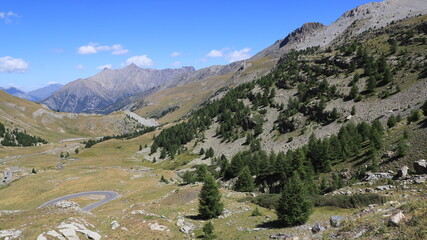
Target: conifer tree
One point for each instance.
(208, 231)
(294, 207)
(209, 153)
(371, 84)
(245, 182)
(210, 205)
(402, 148)
(354, 91)
(391, 121)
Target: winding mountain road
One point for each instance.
(109, 196)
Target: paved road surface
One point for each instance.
(7, 177)
(109, 196)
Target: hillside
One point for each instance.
(184, 97)
(43, 122)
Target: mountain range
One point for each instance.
(136, 88)
(35, 95)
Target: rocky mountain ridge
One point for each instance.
(97, 93)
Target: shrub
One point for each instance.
(415, 116)
(349, 201)
(164, 180)
(267, 200)
(256, 212)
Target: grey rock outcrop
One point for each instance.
(336, 221)
(420, 166)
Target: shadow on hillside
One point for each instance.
(195, 217)
(275, 224)
(423, 124)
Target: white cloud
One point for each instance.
(238, 55)
(88, 49)
(215, 53)
(7, 16)
(176, 64)
(175, 54)
(13, 65)
(80, 67)
(118, 49)
(92, 48)
(102, 67)
(141, 61)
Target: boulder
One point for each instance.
(402, 172)
(69, 233)
(336, 221)
(55, 234)
(396, 219)
(283, 236)
(90, 234)
(187, 228)
(420, 166)
(346, 174)
(41, 237)
(157, 227)
(317, 228)
(114, 225)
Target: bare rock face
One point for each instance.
(420, 166)
(300, 34)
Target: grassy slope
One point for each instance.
(40, 121)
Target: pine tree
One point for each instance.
(293, 207)
(402, 148)
(354, 92)
(202, 151)
(371, 84)
(140, 147)
(208, 231)
(245, 182)
(209, 153)
(391, 121)
(210, 205)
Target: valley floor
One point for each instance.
(150, 209)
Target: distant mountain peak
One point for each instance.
(108, 90)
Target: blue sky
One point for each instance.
(60, 41)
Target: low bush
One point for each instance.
(352, 201)
(267, 200)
